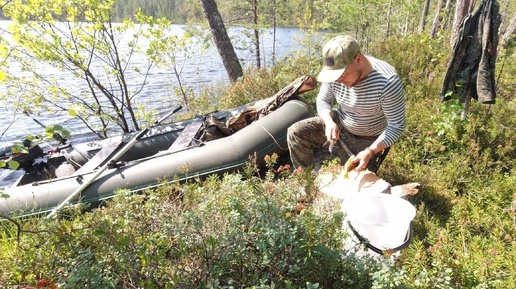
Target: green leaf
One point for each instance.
(14, 165)
(4, 195)
(65, 133)
(72, 112)
(19, 148)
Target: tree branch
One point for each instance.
(19, 228)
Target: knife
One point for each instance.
(330, 147)
(343, 145)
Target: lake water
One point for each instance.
(199, 71)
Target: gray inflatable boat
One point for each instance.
(190, 154)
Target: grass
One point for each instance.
(256, 230)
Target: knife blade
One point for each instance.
(345, 147)
(330, 145)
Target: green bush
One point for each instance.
(465, 223)
(252, 230)
(220, 233)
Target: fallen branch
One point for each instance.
(19, 228)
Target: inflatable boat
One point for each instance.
(195, 148)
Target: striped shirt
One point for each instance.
(375, 106)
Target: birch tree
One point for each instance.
(80, 39)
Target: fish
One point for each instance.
(349, 166)
(364, 182)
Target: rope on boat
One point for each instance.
(278, 144)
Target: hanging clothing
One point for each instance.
(470, 72)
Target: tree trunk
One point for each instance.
(273, 59)
(256, 33)
(422, 23)
(511, 30)
(406, 26)
(461, 10)
(437, 19)
(388, 29)
(222, 41)
(447, 8)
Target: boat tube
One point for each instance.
(262, 137)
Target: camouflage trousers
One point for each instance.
(308, 135)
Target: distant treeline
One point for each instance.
(366, 20)
(178, 11)
(279, 12)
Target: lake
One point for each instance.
(200, 71)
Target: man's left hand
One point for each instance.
(362, 159)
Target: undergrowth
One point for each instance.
(256, 229)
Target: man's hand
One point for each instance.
(362, 159)
(332, 131)
(331, 128)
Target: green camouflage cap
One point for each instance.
(337, 54)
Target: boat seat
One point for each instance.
(187, 136)
(100, 158)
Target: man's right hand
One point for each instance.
(332, 131)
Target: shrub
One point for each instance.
(241, 231)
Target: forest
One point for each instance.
(400, 16)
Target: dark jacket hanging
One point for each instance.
(471, 69)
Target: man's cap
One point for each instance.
(337, 54)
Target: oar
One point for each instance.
(107, 164)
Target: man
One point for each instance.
(370, 113)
